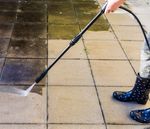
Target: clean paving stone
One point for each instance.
(128, 33)
(31, 17)
(7, 17)
(55, 47)
(128, 126)
(28, 48)
(99, 35)
(3, 47)
(112, 73)
(22, 126)
(22, 71)
(76, 126)
(104, 50)
(73, 105)
(132, 48)
(121, 19)
(70, 72)
(6, 30)
(116, 112)
(29, 31)
(17, 109)
(136, 65)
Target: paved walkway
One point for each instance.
(77, 93)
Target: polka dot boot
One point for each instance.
(142, 116)
(139, 93)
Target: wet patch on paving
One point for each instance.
(22, 71)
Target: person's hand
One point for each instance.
(112, 5)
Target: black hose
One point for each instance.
(137, 19)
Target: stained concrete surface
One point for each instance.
(77, 93)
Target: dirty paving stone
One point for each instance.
(7, 17)
(6, 30)
(67, 31)
(22, 71)
(28, 49)
(29, 31)
(8, 5)
(31, 17)
(61, 14)
(1, 63)
(3, 47)
(32, 6)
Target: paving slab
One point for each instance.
(128, 126)
(73, 105)
(116, 112)
(70, 72)
(23, 126)
(121, 19)
(103, 49)
(128, 33)
(22, 71)
(32, 6)
(8, 5)
(29, 31)
(67, 31)
(99, 35)
(136, 65)
(4, 43)
(132, 49)
(6, 30)
(28, 48)
(17, 109)
(31, 17)
(55, 47)
(61, 13)
(76, 127)
(7, 17)
(112, 73)
(1, 63)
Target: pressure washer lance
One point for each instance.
(74, 41)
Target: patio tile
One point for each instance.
(31, 17)
(132, 48)
(76, 127)
(17, 109)
(121, 19)
(61, 14)
(104, 49)
(22, 126)
(11, 5)
(74, 105)
(67, 31)
(32, 6)
(113, 73)
(29, 31)
(1, 64)
(28, 49)
(7, 17)
(136, 65)
(128, 126)
(6, 30)
(116, 112)
(99, 35)
(22, 71)
(3, 47)
(128, 32)
(70, 72)
(55, 47)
